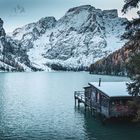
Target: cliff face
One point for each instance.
(81, 37)
(2, 36)
(10, 53)
(5, 63)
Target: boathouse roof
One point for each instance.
(112, 89)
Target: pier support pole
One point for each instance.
(91, 111)
(75, 101)
(78, 103)
(85, 107)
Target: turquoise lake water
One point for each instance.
(41, 106)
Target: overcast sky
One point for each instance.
(17, 13)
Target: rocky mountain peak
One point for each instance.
(79, 8)
(2, 36)
(80, 18)
(2, 31)
(1, 23)
(47, 22)
(113, 13)
(34, 30)
(110, 13)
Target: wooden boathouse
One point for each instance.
(110, 99)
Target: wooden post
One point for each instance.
(88, 108)
(99, 82)
(91, 111)
(75, 101)
(85, 107)
(78, 103)
(75, 97)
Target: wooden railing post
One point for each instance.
(78, 95)
(75, 97)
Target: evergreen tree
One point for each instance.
(133, 68)
(134, 35)
(130, 4)
(133, 32)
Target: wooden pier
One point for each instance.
(79, 97)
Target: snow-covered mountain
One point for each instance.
(13, 57)
(7, 59)
(81, 37)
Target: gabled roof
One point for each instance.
(112, 89)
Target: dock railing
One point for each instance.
(79, 95)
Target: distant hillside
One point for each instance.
(116, 62)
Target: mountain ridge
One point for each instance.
(81, 37)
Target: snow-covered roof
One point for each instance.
(112, 89)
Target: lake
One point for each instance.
(41, 106)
